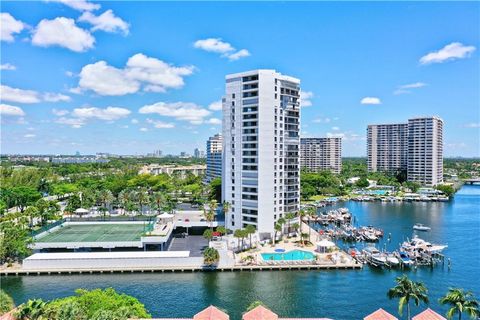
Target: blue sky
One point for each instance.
(132, 77)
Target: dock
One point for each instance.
(34, 272)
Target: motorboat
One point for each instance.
(421, 227)
(375, 257)
(392, 260)
(404, 258)
(418, 245)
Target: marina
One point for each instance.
(299, 291)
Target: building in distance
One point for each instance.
(317, 154)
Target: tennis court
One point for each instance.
(95, 233)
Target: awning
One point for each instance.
(81, 210)
(325, 243)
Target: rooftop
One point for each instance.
(380, 314)
(428, 314)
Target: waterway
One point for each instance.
(342, 294)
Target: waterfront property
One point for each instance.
(214, 158)
(321, 154)
(416, 148)
(260, 167)
(104, 235)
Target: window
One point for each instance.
(233, 95)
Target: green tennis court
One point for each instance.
(95, 233)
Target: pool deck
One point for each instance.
(33, 272)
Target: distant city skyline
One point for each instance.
(131, 78)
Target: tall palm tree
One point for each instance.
(407, 290)
(281, 222)
(105, 198)
(289, 216)
(278, 228)
(142, 198)
(158, 200)
(226, 208)
(461, 302)
(124, 197)
(209, 216)
(249, 230)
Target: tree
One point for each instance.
(278, 228)
(47, 209)
(209, 216)
(14, 242)
(22, 196)
(31, 310)
(461, 302)
(210, 256)
(222, 230)
(407, 290)
(124, 198)
(448, 190)
(208, 234)
(105, 198)
(362, 183)
(6, 302)
(73, 203)
(249, 230)
(158, 199)
(32, 213)
(215, 192)
(240, 234)
(255, 304)
(289, 216)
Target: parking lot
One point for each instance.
(194, 244)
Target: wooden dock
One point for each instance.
(33, 272)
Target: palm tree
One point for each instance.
(407, 290)
(295, 227)
(289, 216)
(158, 199)
(142, 198)
(239, 234)
(124, 197)
(461, 302)
(222, 230)
(209, 216)
(105, 198)
(278, 228)
(32, 213)
(311, 212)
(249, 230)
(226, 208)
(210, 256)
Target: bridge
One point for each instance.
(472, 181)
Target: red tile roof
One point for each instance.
(380, 314)
(260, 313)
(211, 313)
(428, 314)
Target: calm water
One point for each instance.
(335, 294)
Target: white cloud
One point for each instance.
(80, 5)
(217, 45)
(156, 75)
(109, 113)
(143, 129)
(9, 26)
(62, 32)
(56, 97)
(214, 121)
(29, 96)
(107, 22)
(238, 55)
(30, 135)
(9, 110)
(405, 88)
(185, 111)
(346, 136)
(73, 122)
(305, 98)
(106, 80)
(160, 124)
(134, 121)
(322, 120)
(60, 113)
(7, 66)
(472, 125)
(216, 106)
(335, 128)
(370, 100)
(18, 95)
(452, 51)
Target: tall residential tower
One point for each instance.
(214, 157)
(318, 154)
(416, 148)
(261, 173)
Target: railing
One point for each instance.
(47, 227)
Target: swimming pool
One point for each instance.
(290, 255)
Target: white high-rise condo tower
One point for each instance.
(416, 147)
(425, 150)
(214, 157)
(260, 167)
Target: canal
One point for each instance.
(340, 294)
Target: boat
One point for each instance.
(404, 258)
(419, 245)
(375, 257)
(392, 260)
(420, 227)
